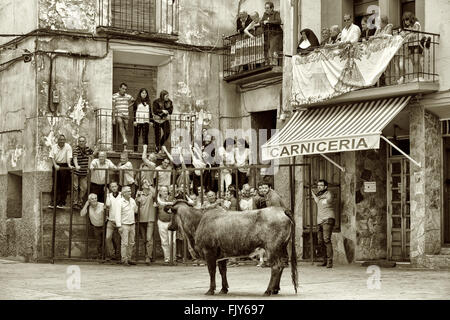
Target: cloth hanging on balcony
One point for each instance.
(329, 72)
(351, 127)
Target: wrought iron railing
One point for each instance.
(415, 61)
(142, 16)
(243, 54)
(109, 136)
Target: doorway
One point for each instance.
(398, 203)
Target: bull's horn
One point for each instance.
(164, 203)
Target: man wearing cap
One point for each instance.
(325, 219)
(147, 214)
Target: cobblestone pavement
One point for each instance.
(50, 281)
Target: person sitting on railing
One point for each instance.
(410, 23)
(243, 21)
(226, 159)
(126, 178)
(385, 28)
(325, 35)
(98, 177)
(271, 21)
(162, 108)
(142, 115)
(61, 156)
(351, 32)
(210, 177)
(121, 101)
(97, 218)
(242, 155)
(198, 163)
(308, 42)
(149, 164)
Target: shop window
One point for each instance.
(14, 195)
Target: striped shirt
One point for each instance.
(121, 103)
(82, 156)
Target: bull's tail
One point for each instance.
(294, 273)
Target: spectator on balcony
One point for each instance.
(126, 174)
(366, 30)
(162, 108)
(351, 32)
(255, 28)
(211, 202)
(229, 202)
(242, 22)
(120, 107)
(81, 157)
(61, 156)
(326, 36)
(412, 28)
(246, 199)
(142, 115)
(98, 177)
(97, 219)
(385, 28)
(335, 34)
(271, 21)
(308, 42)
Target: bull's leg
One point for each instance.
(273, 277)
(276, 288)
(211, 262)
(223, 273)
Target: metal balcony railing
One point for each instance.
(139, 16)
(107, 131)
(243, 54)
(415, 61)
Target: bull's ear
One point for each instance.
(168, 209)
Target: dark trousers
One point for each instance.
(141, 129)
(324, 238)
(98, 233)
(99, 190)
(63, 182)
(165, 126)
(242, 179)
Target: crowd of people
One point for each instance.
(352, 33)
(207, 175)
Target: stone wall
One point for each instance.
(425, 185)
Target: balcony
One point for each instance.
(412, 70)
(144, 19)
(249, 60)
(107, 132)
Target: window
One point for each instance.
(14, 195)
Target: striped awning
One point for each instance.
(350, 127)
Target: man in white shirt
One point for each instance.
(113, 203)
(163, 177)
(125, 222)
(61, 156)
(351, 32)
(97, 218)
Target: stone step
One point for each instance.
(445, 251)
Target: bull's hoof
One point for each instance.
(223, 291)
(275, 292)
(210, 292)
(267, 293)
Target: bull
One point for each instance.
(216, 235)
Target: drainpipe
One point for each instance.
(295, 21)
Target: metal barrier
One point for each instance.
(175, 174)
(144, 16)
(243, 54)
(107, 130)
